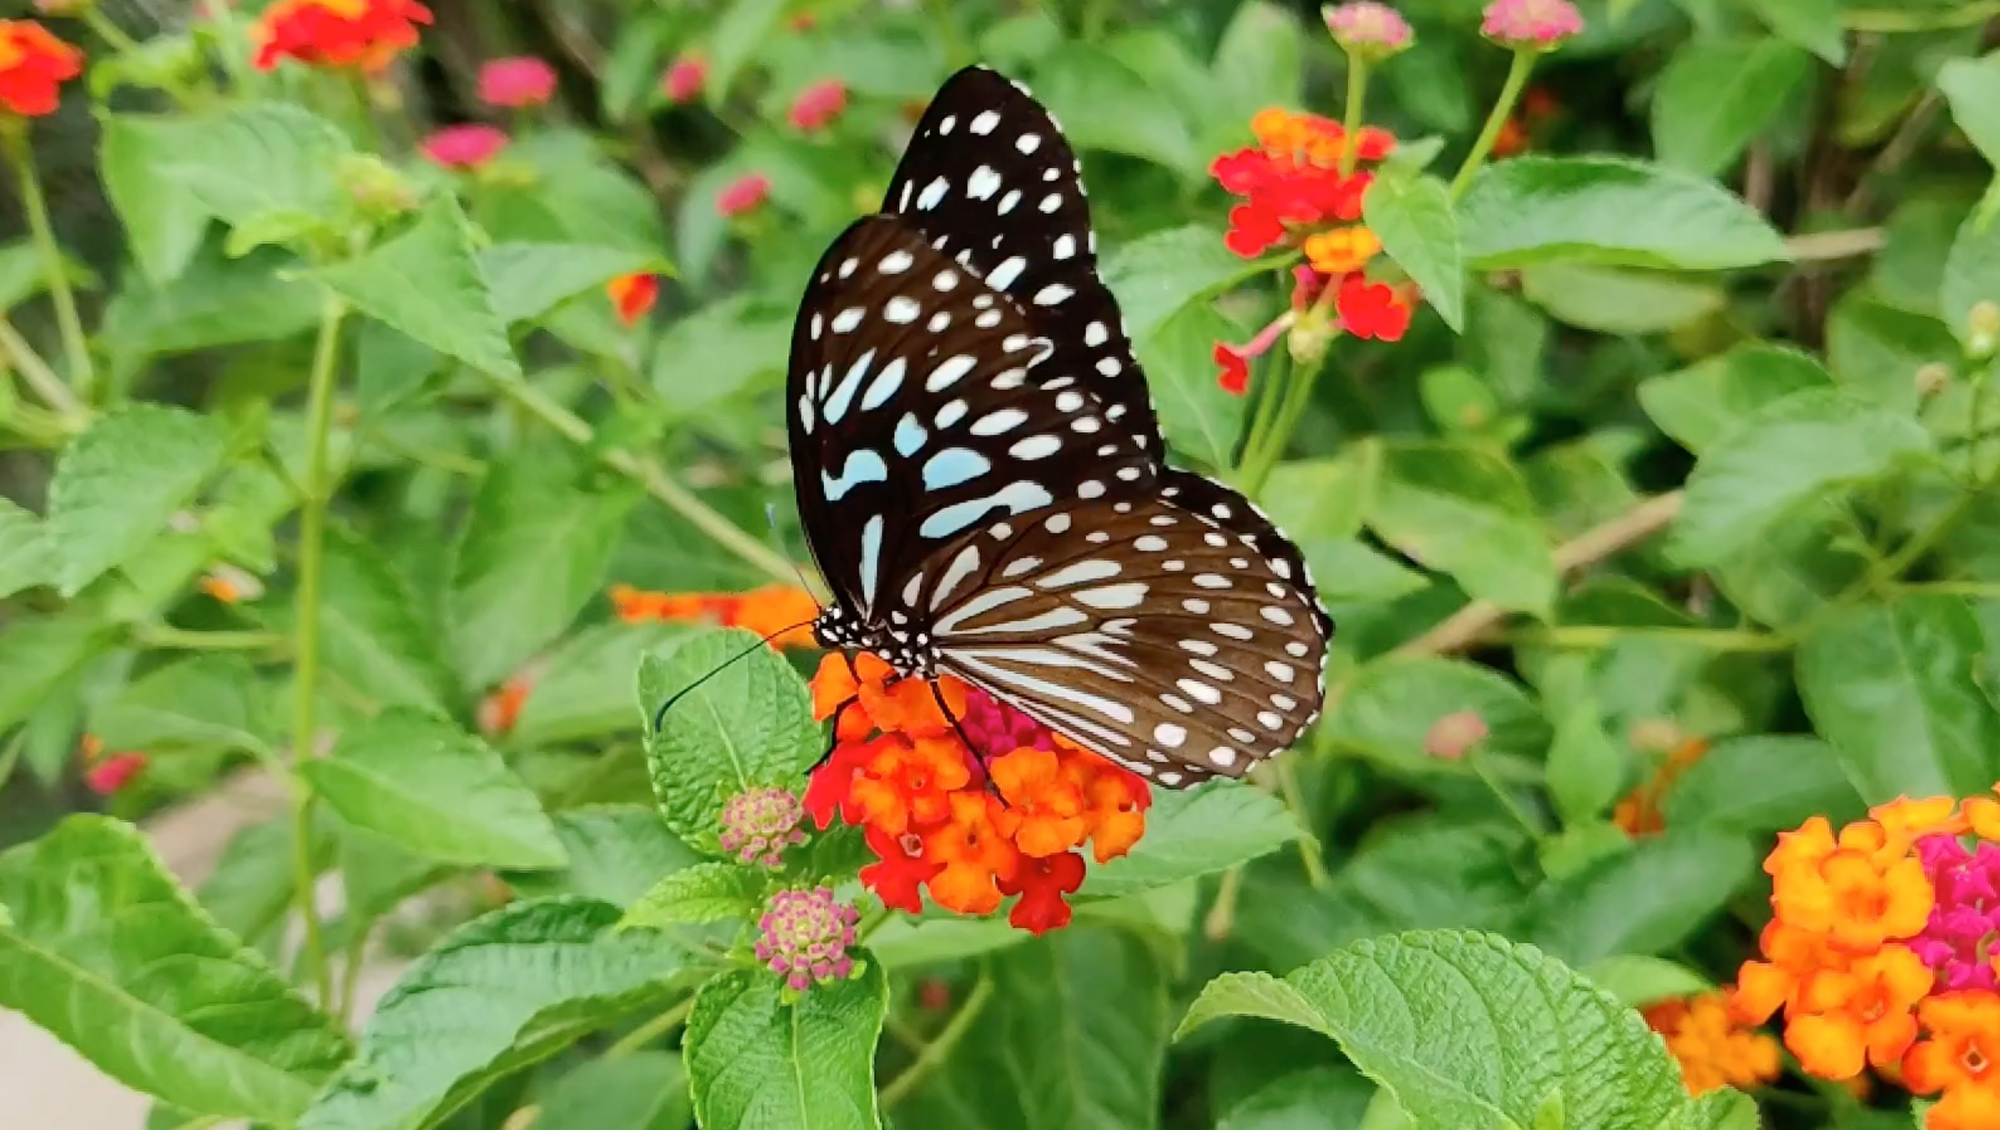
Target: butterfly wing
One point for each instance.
(913, 420)
(1148, 632)
(989, 179)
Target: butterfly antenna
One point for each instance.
(660, 715)
(777, 543)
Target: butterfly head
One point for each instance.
(908, 651)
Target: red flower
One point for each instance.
(1372, 310)
(1042, 883)
(464, 146)
(33, 64)
(113, 773)
(633, 295)
(337, 33)
(1235, 375)
(901, 870)
(684, 79)
(522, 80)
(743, 195)
(817, 105)
(1292, 177)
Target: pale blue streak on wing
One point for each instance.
(1018, 497)
(836, 404)
(954, 465)
(871, 558)
(910, 435)
(863, 466)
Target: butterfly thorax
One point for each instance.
(908, 649)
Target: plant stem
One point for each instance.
(935, 1052)
(107, 31)
(1221, 919)
(651, 1030)
(1718, 639)
(350, 971)
(1298, 394)
(312, 548)
(1510, 92)
(1309, 847)
(1350, 123)
(40, 377)
(75, 345)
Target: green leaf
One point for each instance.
(23, 274)
(1105, 104)
(1876, 350)
(757, 1062)
(1197, 416)
(1390, 705)
(738, 34)
(584, 691)
(1465, 511)
(1197, 832)
(1608, 210)
(706, 892)
(26, 557)
(1761, 784)
(1413, 218)
(205, 702)
(117, 484)
(1324, 498)
(1160, 274)
(38, 654)
(718, 351)
(646, 1090)
(1972, 86)
(212, 301)
(1073, 1035)
(372, 637)
(1717, 95)
(528, 280)
(1699, 403)
(1420, 872)
(1303, 1100)
(1644, 900)
(503, 992)
(164, 227)
(902, 942)
(241, 165)
(617, 852)
(1523, 1028)
(1971, 276)
(1789, 454)
(1636, 979)
(427, 283)
(1898, 689)
(435, 791)
(1616, 301)
(250, 890)
(1585, 770)
(1812, 24)
(110, 955)
(750, 723)
(1258, 62)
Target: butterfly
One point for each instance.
(982, 479)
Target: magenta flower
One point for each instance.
(759, 824)
(1958, 941)
(522, 80)
(684, 79)
(1531, 25)
(464, 147)
(996, 729)
(743, 195)
(805, 937)
(818, 105)
(1368, 29)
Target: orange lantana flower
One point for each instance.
(633, 295)
(365, 34)
(1864, 1014)
(1961, 1058)
(1714, 1050)
(977, 853)
(781, 612)
(1341, 250)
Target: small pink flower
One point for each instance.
(113, 773)
(804, 937)
(1453, 736)
(759, 824)
(684, 79)
(1531, 25)
(1368, 28)
(817, 105)
(743, 195)
(522, 80)
(464, 147)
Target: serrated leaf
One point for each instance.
(427, 283)
(1608, 210)
(758, 1063)
(1159, 274)
(240, 165)
(1645, 900)
(1524, 1027)
(178, 1009)
(1413, 218)
(117, 484)
(371, 635)
(1699, 403)
(706, 892)
(26, 557)
(435, 791)
(1196, 832)
(502, 993)
(1791, 453)
(207, 702)
(528, 280)
(617, 852)
(1762, 783)
(1196, 414)
(1465, 511)
(1717, 94)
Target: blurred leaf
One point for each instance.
(1791, 453)
(1971, 276)
(1426, 872)
(436, 791)
(528, 280)
(749, 724)
(1525, 1028)
(1699, 403)
(1637, 980)
(1898, 689)
(27, 558)
(576, 195)
(250, 890)
(212, 301)
(616, 853)
(1303, 1100)
(390, 367)
(1104, 104)
(202, 702)
(902, 942)
(533, 552)
(39, 653)
(371, 635)
(1429, 82)
(23, 274)
(646, 1090)
(1611, 211)
(1645, 900)
(758, 1062)
(1159, 274)
(1196, 414)
(164, 225)
(718, 351)
(1586, 771)
(743, 28)
(1615, 301)
(179, 1009)
(378, 873)
(1196, 832)
(1324, 497)
(1762, 783)
(1812, 24)
(242, 165)
(503, 992)
(1797, 566)
(1389, 705)
(1413, 218)
(118, 483)
(1355, 571)
(1258, 63)
(713, 891)
(583, 692)
(1972, 86)
(427, 283)
(1465, 511)
(1717, 95)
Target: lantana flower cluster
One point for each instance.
(782, 611)
(1881, 952)
(361, 34)
(993, 807)
(1714, 1047)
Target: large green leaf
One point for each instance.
(207, 702)
(617, 852)
(100, 946)
(1971, 277)
(742, 29)
(714, 891)
(1531, 1043)
(585, 689)
(1465, 511)
(1073, 1035)
(718, 351)
(1643, 900)
(748, 723)
(427, 283)
(1196, 414)
(1699, 403)
(1105, 104)
(528, 280)
(1762, 783)
(117, 484)
(533, 553)
(1427, 871)
(757, 1062)
(1390, 705)
(373, 639)
(212, 301)
(38, 654)
(163, 226)
(1619, 300)
(250, 891)
(1197, 832)
(247, 165)
(1717, 95)
(1787, 455)
(501, 993)
(436, 791)
(1899, 690)
(1972, 86)
(646, 1090)
(1608, 210)
(1812, 24)
(1413, 218)
(26, 557)
(1157, 275)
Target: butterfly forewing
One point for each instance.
(990, 180)
(913, 420)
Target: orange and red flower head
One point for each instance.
(33, 66)
(633, 295)
(364, 34)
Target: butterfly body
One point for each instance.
(981, 477)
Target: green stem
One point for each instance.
(1716, 639)
(40, 377)
(1510, 92)
(935, 1052)
(350, 971)
(1298, 394)
(1269, 396)
(651, 1030)
(957, 50)
(1220, 921)
(312, 545)
(44, 233)
(107, 31)
(1309, 847)
(1350, 123)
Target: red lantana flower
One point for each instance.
(743, 195)
(1291, 179)
(1372, 310)
(464, 146)
(818, 105)
(33, 66)
(683, 81)
(633, 295)
(365, 34)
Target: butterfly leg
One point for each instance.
(976, 755)
(833, 736)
